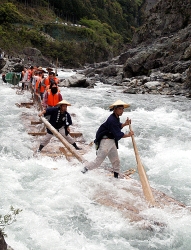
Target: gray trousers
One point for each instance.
(45, 140)
(107, 148)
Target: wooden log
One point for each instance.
(72, 134)
(36, 122)
(63, 140)
(37, 133)
(27, 103)
(75, 134)
(24, 104)
(129, 172)
(63, 150)
(55, 155)
(67, 154)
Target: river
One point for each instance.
(58, 207)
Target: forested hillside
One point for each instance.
(74, 31)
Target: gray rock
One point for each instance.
(152, 85)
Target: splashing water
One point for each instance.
(59, 207)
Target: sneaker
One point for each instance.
(76, 147)
(84, 170)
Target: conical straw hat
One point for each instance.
(119, 103)
(64, 102)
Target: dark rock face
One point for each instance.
(169, 54)
(35, 57)
(164, 18)
(188, 80)
(30, 56)
(149, 4)
(18, 67)
(163, 42)
(3, 244)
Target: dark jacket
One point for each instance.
(111, 128)
(54, 114)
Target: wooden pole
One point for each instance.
(56, 66)
(39, 103)
(41, 109)
(63, 140)
(142, 174)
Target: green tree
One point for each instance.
(9, 14)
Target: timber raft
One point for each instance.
(130, 207)
(36, 128)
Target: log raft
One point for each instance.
(131, 208)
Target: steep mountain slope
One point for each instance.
(76, 32)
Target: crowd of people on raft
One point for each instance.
(53, 106)
(46, 88)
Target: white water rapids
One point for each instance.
(58, 208)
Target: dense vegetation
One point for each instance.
(74, 31)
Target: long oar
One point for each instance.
(63, 140)
(142, 174)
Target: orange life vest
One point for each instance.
(41, 86)
(56, 80)
(47, 81)
(37, 83)
(52, 99)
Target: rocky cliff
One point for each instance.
(158, 61)
(163, 18)
(163, 42)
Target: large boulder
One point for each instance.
(77, 80)
(152, 85)
(34, 56)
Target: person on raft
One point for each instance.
(107, 137)
(60, 119)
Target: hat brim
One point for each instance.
(64, 102)
(119, 103)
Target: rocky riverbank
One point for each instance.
(111, 72)
(156, 62)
